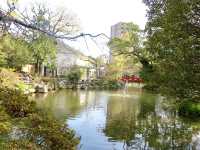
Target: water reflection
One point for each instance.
(122, 120)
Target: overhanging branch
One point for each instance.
(10, 19)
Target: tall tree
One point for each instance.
(44, 52)
(14, 52)
(130, 43)
(128, 49)
(173, 30)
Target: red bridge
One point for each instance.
(131, 79)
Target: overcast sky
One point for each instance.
(96, 16)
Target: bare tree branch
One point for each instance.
(5, 18)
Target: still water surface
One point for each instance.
(122, 120)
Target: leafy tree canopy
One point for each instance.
(173, 31)
(14, 52)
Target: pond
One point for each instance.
(122, 120)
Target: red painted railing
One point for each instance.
(131, 79)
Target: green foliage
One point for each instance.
(9, 78)
(189, 108)
(148, 74)
(129, 43)
(112, 84)
(44, 51)
(173, 41)
(108, 84)
(14, 52)
(20, 144)
(128, 51)
(16, 104)
(74, 75)
(5, 124)
(120, 129)
(23, 87)
(36, 129)
(2, 58)
(50, 133)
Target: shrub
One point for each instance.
(20, 145)
(50, 133)
(189, 109)
(36, 129)
(16, 104)
(9, 78)
(23, 87)
(107, 84)
(74, 75)
(5, 124)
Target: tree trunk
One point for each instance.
(45, 71)
(37, 67)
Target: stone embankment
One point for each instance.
(38, 85)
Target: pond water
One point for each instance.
(122, 120)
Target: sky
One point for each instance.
(97, 16)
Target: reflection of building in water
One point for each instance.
(83, 98)
(87, 98)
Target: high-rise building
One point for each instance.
(118, 30)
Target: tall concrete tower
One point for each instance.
(118, 30)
